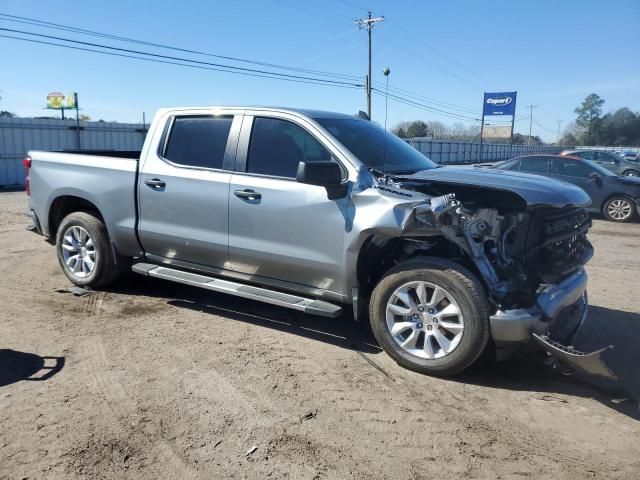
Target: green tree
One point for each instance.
(417, 129)
(6, 114)
(589, 114)
(400, 133)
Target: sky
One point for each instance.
(553, 53)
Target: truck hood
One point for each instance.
(535, 190)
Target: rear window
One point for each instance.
(198, 141)
(534, 165)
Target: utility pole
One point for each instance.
(530, 107)
(368, 23)
(558, 139)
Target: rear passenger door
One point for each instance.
(183, 190)
(278, 228)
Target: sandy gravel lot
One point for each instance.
(153, 380)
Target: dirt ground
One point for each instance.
(153, 380)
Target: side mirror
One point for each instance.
(323, 173)
(596, 178)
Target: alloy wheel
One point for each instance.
(78, 252)
(424, 320)
(619, 209)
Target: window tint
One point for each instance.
(277, 146)
(586, 155)
(571, 168)
(534, 165)
(605, 157)
(198, 141)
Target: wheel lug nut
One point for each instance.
(419, 325)
(435, 320)
(431, 311)
(416, 316)
(429, 327)
(421, 309)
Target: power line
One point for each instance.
(168, 57)
(200, 67)
(82, 31)
(429, 108)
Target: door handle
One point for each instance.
(155, 183)
(247, 194)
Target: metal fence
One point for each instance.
(19, 135)
(451, 152)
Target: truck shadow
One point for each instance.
(17, 366)
(526, 371)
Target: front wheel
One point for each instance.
(618, 209)
(84, 250)
(431, 316)
(631, 173)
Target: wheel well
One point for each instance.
(380, 253)
(624, 195)
(630, 170)
(63, 206)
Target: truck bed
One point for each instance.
(105, 178)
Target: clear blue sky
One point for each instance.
(553, 53)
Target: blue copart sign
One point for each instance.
(502, 103)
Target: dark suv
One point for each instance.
(617, 197)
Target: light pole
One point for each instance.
(386, 73)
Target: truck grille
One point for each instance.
(560, 240)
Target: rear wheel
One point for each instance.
(618, 209)
(84, 250)
(431, 316)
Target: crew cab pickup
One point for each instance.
(317, 211)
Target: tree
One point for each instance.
(417, 129)
(6, 114)
(588, 115)
(400, 132)
(85, 118)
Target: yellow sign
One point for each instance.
(55, 100)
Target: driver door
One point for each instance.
(278, 228)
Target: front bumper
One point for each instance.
(559, 307)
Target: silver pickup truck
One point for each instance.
(317, 211)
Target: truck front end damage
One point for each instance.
(530, 258)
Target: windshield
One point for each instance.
(366, 141)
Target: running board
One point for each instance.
(306, 305)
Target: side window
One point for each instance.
(198, 141)
(533, 165)
(277, 146)
(571, 168)
(605, 157)
(586, 155)
(515, 166)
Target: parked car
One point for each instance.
(631, 156)
(616, 197)
(609, 160)
(317, 211)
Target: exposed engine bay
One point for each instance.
(524, 254)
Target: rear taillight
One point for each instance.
(27, 165)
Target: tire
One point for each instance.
(631, 173)
(467, 296)
(619, 209)
(94, 247)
